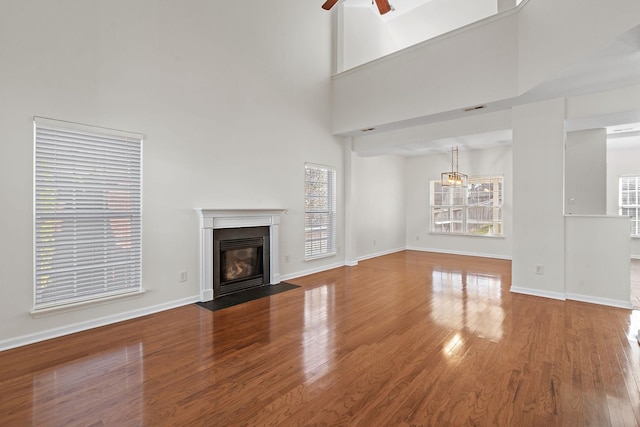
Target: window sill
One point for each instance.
(313, 258)
(435, 233)
(49, 311)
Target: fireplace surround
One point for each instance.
(242, 224)
(241, 258)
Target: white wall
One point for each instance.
(207, 85)
(379, 205)
(507, 4)
(491, 61)
(538, 176)
(609, 108)
(622, 160)
(552, 35)
(364, 37)
(421, 170)
(437, 17)
(585, 176)
(597, 260)
(367, 36)
(460, 69)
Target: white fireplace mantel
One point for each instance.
(211, 219)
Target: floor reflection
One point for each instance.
(318, 337)
(90, 387)
(452, 344)
(468, 301)
(633, 332)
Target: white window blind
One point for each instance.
(88, 212)
(474, 209)
(319, 211)
(630, 201)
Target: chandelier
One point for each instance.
(453, 178)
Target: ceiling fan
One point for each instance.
(383, 5)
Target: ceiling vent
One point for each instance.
(477, 107)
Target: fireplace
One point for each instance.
(247, 245)
(240, 259)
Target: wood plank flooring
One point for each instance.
(406, 339)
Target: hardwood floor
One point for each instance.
(406, 339)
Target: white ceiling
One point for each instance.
(623, 137)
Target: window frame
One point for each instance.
(87, 214)
(456, 204)
(634, 223)
(324, 245)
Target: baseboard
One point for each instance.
(464, 253)
(290, 276)
(95, 323)
(378, 254)
(538, 293)
(573, 297)
(383, 253)
(601, 301)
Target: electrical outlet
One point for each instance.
(539, 269)
(417, 237)
(374, 243)
(183, 276)
(286, 258)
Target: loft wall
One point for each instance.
(552, 35)
(366, 36)
(488, 62)
(363, 37)
(231, 106)
(460, 69)
(437, 17)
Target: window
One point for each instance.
(319, 211)
(87, 213)
(474, 209)
(630, 201)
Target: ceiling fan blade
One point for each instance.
(383, 6)
(329, 4)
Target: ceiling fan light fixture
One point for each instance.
(383, 6)
(329, 4)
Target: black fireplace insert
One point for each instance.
(240, 259)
